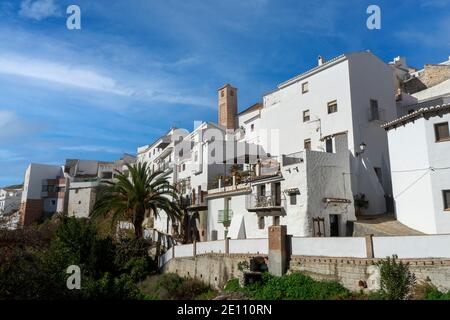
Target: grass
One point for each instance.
(295, 286)
(170, 286)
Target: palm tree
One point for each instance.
(135, 197)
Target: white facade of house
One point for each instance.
(420, 170)
(301, 114)
(317, 186)
(9, 200)
(352, 81)
(82, 196)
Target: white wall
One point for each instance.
(329, 247)
(328, 176)
(34, 176)
(253, 246)
(417, 189)
(439, 158)
(371, 78)
(186, 250)
(82, 196)
(211, 247)
(437, 246)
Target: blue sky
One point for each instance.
(139, 66)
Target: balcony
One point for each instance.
(197, 203)
(225, 217)
(292, 159)
(271, 205)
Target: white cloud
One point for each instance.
(6, 117)
(9, 156)
(87, 148)
(69, 75)
(39, 9)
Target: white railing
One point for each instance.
(186, 250)
(249, 246)
(210, 247)
(405, 247)
(413, 247)
(329, 247)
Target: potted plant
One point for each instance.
(360, 204)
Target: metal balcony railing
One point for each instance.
(264, 203)
(225, 217)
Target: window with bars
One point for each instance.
(305, 87)
(446, 196)
(307, 144)
(332, 107)
(442, 132)
(306, 116)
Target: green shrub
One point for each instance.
(397, 281)
(295, 286)
(435, 294)
(33, 265)
(170, 286)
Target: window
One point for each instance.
(76, 190)
(53, 202)
(232, 93)
(306, 116)
(252, 127)
(293, 199)
(332, 106)
(374, 113)
(329, 145)
(261, 223)
(107, 175)
(184, 166)
(441, 131)
(196, 156)
(446, 195)
(222, 93)
(305, 87)
(307, 144)
(262, 190)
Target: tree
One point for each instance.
(135, 197)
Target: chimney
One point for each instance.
(228, 107)
(321, 61)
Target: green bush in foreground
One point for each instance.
(170, 286)
(397, 281)
(36, 269)
(295, 286)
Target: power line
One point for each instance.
(415, 170)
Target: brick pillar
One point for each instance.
(369, 246)
(227, 245)
(277, 250)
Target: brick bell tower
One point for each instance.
(228, 107)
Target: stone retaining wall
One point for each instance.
(355, 274)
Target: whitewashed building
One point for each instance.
(10, 200)
(320, 133)
(70, 189)
(419, 145)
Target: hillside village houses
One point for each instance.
(306, 156)
(419, 144)
(69, 189)
(10, 199)
(322, 144)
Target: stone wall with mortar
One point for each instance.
(364, 274)
(355, 274)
